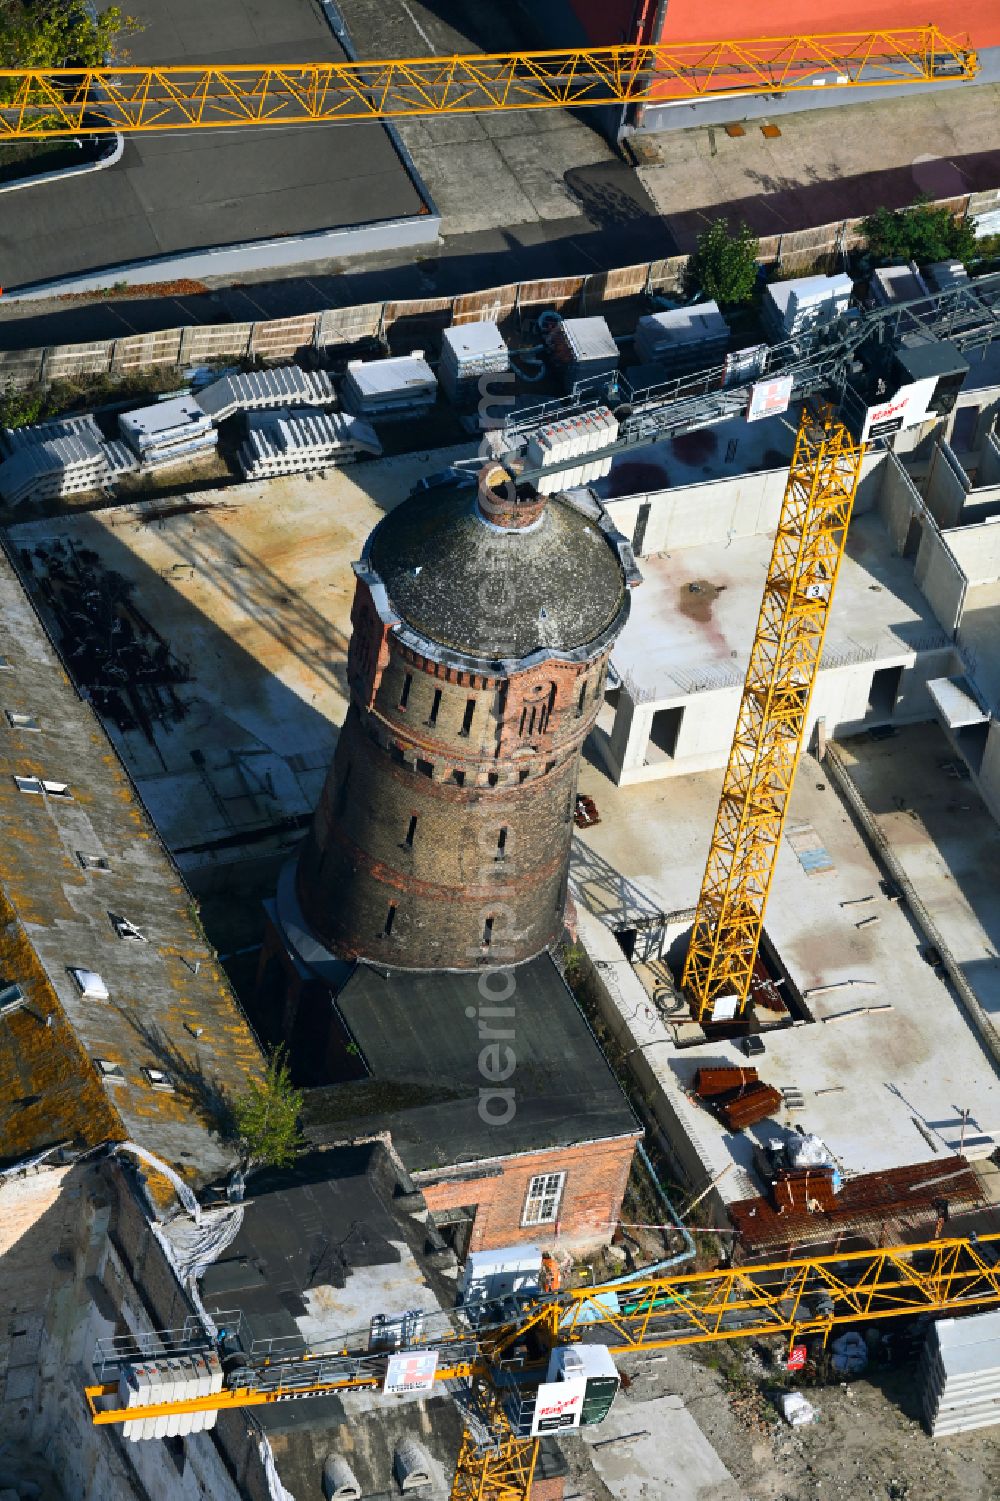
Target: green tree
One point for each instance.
(921, 233)
(724, 265)
(59, 33)
(267, 1115)
(21, 408)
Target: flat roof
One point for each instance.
(321, 1251)
(694, 617)
(186, 190)
(423, 1030)
(169, 1007)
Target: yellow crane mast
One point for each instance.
(44, 103)
(770, 727)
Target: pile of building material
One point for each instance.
(737, 1095)
(265, 390)
(583, 349)
(883, 1204)
(683, 339)
(961, 1374)
(401, 387)
(469, 352)
(710, 1083)
(58, 458)
(945, 276)
(297, 442)
(791, 308)
(168, 432)
(892, 284)
(568, 439)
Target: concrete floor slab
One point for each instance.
(676, 633)
(252, 587)
(655, 1451)
(881, 1089)
(945, 839)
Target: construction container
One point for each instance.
(583, 349)
(401, 387)
(683, 339)
(892, 284)
(470, 353)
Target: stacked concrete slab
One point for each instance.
(266, 390)
(53, 459)
(682, 339)
(400, 387)
(792, 307)
(960, 1368)
(297, 442)
(469, 352)
(168, 432)
(584, 349)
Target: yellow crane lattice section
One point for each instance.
(808, 1294)
(784, 660)
(41, 103)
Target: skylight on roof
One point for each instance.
(90, 984)
(22, 721)
(111, 1072)
(159, 1079)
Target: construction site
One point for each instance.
(541, 750)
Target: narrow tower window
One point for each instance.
(404, 692)
(581, 701)
(502, 843)
(470, 710)
(411, 830)
(435, 706)
(487, 932)
(390, 918)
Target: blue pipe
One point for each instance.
(689, 1246)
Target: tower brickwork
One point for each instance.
(477, 666)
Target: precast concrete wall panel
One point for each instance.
(218, 341)
(941, 581)
(283, 337)
(976, 550)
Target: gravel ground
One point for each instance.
(867, 1443)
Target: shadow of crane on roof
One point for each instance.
(604, 891)
(245, 580)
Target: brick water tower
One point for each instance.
(483, 622)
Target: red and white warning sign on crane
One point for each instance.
(559, 1405)
(410, 1371)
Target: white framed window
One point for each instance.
(22, 721)
(541, 1207)
(111, 1072)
